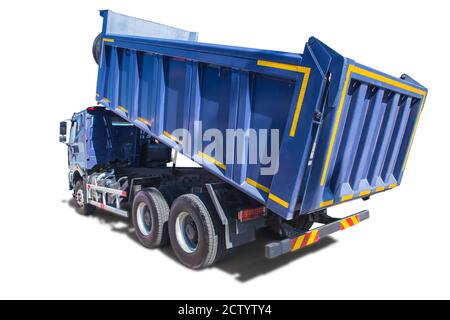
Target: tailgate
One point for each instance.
(365, 137)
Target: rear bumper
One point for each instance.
(276, 249)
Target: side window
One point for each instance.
(73, 131)
(79, 130)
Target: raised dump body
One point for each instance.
(345, 130)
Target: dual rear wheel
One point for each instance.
(192, 226)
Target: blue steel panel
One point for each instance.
(366, 133)
(346, 129)
(214, 101)
(148, 86)
(269, 106)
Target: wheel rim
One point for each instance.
(186, 232)
(144, 219)
(79, 198)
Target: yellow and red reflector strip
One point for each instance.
(349, 222)
(305, 240)
(250, 214)
(315, 235)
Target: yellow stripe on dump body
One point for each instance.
(278, 200)
(326, 203)
(211, 159)
(377, 77)
(147, 122)
(364, 193)
(108, 40)
(257, 185)
(347, 197)
(300, 69)
(167, 134)
(379, 189)
(272, 197)
(122, 109)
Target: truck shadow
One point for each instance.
(115, 222)
(244, 263)
(249, 262)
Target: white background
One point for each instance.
(47, 72)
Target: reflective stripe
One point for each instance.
(326, 203)
(257, 185)
(344, 224)
(171, 137)
(290, 67)
(305, 240)
(147, 122)
(379, 189)
(335, 126)
(211, 159)
(347, 197)
(298, 243)
(122, 109)
(364, 193)
(108, 40)
(280, 201)
(312, 237)
(355, 220)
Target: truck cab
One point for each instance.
(99, 139)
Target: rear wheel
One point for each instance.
(303, 222)
(150, 213)
(79, 193)
(196, 234)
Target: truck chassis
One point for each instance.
(233, 216)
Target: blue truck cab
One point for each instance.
(340, 131)
(99, 137)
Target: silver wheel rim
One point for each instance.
(79, 198)
(144, 220)
(186, 232)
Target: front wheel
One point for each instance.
(196, 235)
(79, 193)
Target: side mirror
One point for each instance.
(62, 128)
(62, 131)
(62, 139)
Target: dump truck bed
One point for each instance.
(345, 130)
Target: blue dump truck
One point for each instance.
(278, 138)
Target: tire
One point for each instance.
(79, 193)
(196, 234)
(96, 48)
(150, 213)
(302, 222)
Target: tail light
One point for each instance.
(250, 214)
